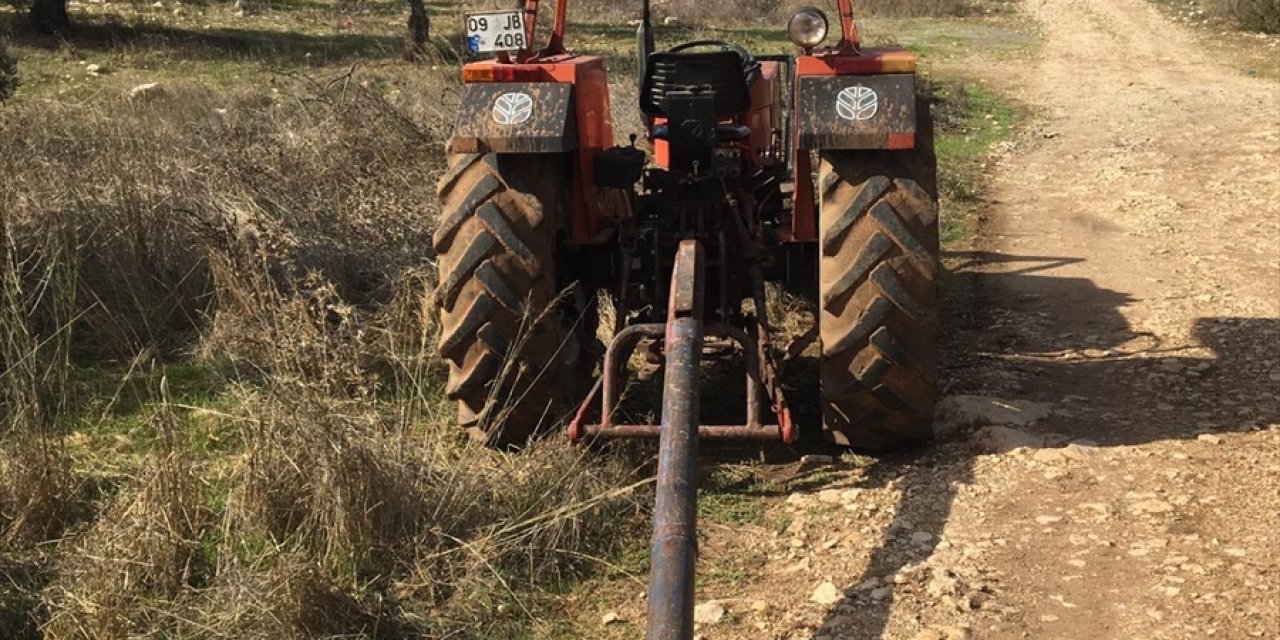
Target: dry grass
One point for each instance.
(336, 520)
(701, 12)
(278, 237)
(8, 71)
(333, 179)
(115, 578)
(1260, 16)
(1251, 15)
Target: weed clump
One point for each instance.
(1253, 15)
(8, 72)
(138, 554)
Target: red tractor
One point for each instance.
(541, 212)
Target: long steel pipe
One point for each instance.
(674, 547)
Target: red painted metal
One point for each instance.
(850, 42)
(530, 30)
(768, 432)
(864, 62)
(555, 44)
(901, 141)
(760, 376)
(838, 61)
(762, 118)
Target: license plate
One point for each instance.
(495, 31)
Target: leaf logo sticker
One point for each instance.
(857, 103)
(512, 108)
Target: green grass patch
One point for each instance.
(729, 508)
(970, 123)
(738, 494)
(119, 416)
(731, 576)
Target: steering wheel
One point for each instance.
(750, 66)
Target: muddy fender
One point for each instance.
(856, 111)
(515, 117)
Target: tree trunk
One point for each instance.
(50, 16)
(419, 28)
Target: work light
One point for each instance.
(808, 27)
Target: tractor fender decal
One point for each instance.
(857, 103)
(513, 108)
(515, 117)
(856, 111)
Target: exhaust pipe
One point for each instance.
(644, 38)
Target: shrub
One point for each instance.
(8, 72)
(725, 13)
(914, 8)
(1254, 15)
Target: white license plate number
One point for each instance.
(495, 31)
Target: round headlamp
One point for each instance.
(808, 27)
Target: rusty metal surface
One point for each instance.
(674, 547)
(686, 288)
(616, 357)
(834, 112)
(705, 432)
(489, 120)
(764, 368)
(620, 350)
(760, 376)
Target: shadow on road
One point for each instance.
(1014, 332)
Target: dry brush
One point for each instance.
(278, 239)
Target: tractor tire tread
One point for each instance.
(878, 311)
(503, 340)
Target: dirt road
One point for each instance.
(1113, 371)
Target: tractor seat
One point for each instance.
(725, 132)
(718, 73)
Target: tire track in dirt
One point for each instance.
(1130, 278)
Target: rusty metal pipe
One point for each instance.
(705, 432)
(674, 547)
(623, 344)
(850, 41)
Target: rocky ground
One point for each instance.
(1109, 465)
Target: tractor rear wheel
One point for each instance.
(514, 356)
(878, 294)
